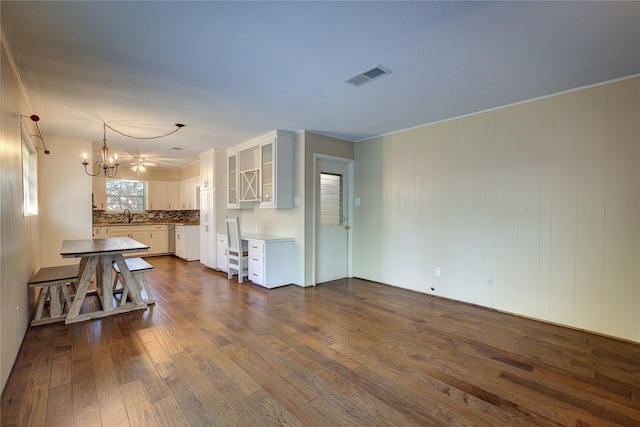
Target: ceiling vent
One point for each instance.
(368, 75)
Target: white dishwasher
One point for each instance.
(188, 242)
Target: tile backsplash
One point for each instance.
(150, 217)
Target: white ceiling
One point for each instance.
(232, 71)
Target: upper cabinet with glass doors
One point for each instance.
(276, 171)
(233, 200)
(261, 170)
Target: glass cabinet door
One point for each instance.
(266, 195)
(232, 177)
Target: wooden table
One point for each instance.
(97, 256)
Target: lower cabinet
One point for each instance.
(139, 233)
(221, 253)
(188, 242)
(271, 261)
(100, 232)
(158, 239)
(208, 246)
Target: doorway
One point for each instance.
(333, 178)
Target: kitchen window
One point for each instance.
(125, 194)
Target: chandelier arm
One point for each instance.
(85, 163)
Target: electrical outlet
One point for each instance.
(437, 271)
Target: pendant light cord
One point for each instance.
(178, 127)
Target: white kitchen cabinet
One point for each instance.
(271, 260)
(100, 232)
(188, 193)
(207, 228)
(158, 239)
(261, 170)
(120, 231)
(99, 188)
(194, 192)
(188, 242)
(232, 180)
(207, 162)
(221, 252)
(276, 171)
(139, 233)
(142, 234)
(249, 173)
(157, 196)
(173, 196)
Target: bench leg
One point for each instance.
(65, 293)
(59, 300)
(41, 300)
(145, 284)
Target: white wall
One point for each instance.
(65, 198)
(540, 198)
(19, 236)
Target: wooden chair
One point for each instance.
(237, 252)
(138, 267)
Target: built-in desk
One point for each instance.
(271, 259)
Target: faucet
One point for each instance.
(125, 212)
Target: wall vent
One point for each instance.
(368, 75)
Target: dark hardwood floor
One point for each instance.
(213, 352)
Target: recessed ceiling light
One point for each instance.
(368, 75)
(176, 148)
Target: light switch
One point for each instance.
(357, 201)
(296, 200)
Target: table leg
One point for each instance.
(87, 273)
(128, 282)
(104, 285)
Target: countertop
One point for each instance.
(265, 237)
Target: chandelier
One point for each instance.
(109, 165)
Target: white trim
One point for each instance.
(564, 92)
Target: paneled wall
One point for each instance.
(19, 236)
(532, 209)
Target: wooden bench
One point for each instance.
(138, 267)
(54, 282)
